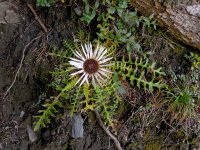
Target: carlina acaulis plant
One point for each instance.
(91, 65)
(85, 80)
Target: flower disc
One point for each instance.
(91, 66)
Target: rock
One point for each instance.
(31, 134)
(22, 114)
(194, 10)
(11, 17)
(8, 13)
(78, 11)
(77, 126)
(1, 147)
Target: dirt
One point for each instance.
(32, 80)
(30, 87)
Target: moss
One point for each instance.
(180, 135)
(133, 145)
(152, 146)
(91, 117)
(73, 142)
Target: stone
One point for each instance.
(8, 13)
(31, 134)
(77, 126)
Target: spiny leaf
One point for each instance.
(137, 71)
(44, 118)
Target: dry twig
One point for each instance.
(20, 66)
(37, 18)
(117, 144)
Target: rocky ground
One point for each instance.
(18, 30)
(24, 74)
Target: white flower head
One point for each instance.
(91, 65)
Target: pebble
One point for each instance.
(31, 134)
(22, 114)
(1, 147)
(77, 126)
(8, 13)
(78, 11)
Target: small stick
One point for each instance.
(37, 18)
(20, 66)
(117, 144)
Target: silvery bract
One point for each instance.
(91, 65)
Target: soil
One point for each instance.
(18, 108)
(32, 79)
